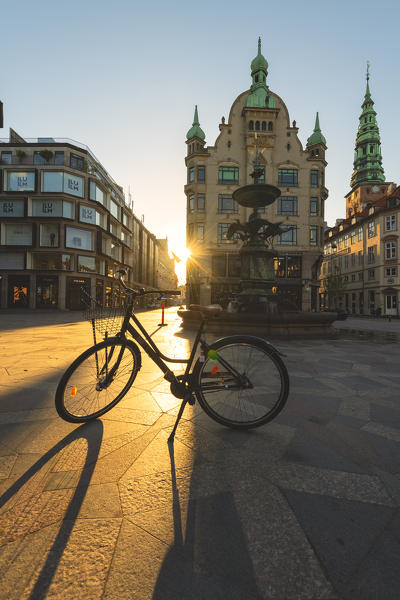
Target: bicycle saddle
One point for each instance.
(212, 310)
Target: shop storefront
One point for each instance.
(46, 291)
(18, 291)
(77, 293)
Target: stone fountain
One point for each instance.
(255, 309)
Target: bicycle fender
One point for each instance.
(258, 340)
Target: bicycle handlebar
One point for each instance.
(122, 272)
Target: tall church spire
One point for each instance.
(367, 158)
(316, 137)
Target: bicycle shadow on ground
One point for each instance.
(93, 434)
(212, 559)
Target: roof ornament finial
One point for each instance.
(259, 45)
(368, 65)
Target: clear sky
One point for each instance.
(123, 77)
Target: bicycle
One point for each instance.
(240, 381)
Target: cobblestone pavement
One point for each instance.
(306, 507)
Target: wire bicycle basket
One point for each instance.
(106, 320)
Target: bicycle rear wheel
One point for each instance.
(242, 383)
(97, 380)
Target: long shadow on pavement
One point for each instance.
(93, 434)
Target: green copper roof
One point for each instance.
(316, 137)
(259, 62)
(259, 96)
(367, 157)
(195, 130)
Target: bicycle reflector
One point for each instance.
(73, 391)
(212, 354)
(214, 370)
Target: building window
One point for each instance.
(191, 203)
(49, 235)
(114, 209)
(390, 223)
(6, 158)
(264, 126)
(201, 174)
(390, 250)
(200, 231)
(391, 272)
(270, 126)
(288, 177)
(20, 182)
(201, 203)
(222, 233)
(371, 274)
(314, 178)
(360, 234)
(218, 265)
(18, 234)
(346, 240)
(226, 204)
(52, 262)
(287, 237)
(12, 208)
(287, 205)
(360, 258)
(41, 158)
(79, 238)
(313, 207)
(251, 125)
(76, 162)
(87, 214)
(313, 235)
(353, 277)
(191, 174)
(361, 276)
(353, 259)
(96, 193)
(87, 264)
(257, 125)
(346, 261)
(228, 175)
(353, 237)
(371, 229)
(58, 181)
(371, 254)
(59, 157)
(52, 208)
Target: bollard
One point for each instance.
(162, 324)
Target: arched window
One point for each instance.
(257, 125)
(270, 126)
(264, 126)
(371, 149)
(256, 78)
(251, 125)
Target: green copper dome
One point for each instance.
(316, 137)
(195, 130)
(259, 96)
(259, 63)
(367, 156)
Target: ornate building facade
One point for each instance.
(360, 270)
(258, 132)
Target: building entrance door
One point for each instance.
(18, 291)
(77, 290)
(391, 305)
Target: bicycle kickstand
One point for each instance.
(178, 418)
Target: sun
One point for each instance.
(181, 255)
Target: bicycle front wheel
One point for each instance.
(242, 383)
(97, 380)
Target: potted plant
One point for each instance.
(47, 155)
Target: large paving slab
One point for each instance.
(304, 508)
